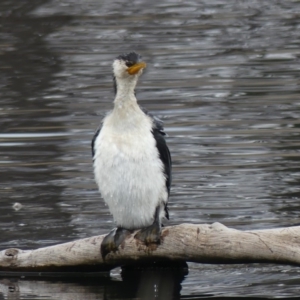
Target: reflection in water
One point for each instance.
(154, 282)
(213, 281)
(163, 283)
(224, 78)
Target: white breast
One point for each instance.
(128, 170)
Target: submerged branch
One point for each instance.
(204, 243)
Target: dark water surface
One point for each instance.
(222, 75)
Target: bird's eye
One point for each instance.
(129, 63)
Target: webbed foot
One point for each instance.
(113, 240)
(150, 234)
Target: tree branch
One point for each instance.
(204, 243)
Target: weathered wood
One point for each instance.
(204, 243)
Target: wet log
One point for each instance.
(204, 243)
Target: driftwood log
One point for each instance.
(204, 243)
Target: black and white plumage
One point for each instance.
(132, 163)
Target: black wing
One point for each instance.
(163, 150)
(164, 153)
(94, 139)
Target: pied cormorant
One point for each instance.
(132, 163)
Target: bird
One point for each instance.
(131, 161)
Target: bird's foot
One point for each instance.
(113, 240)
(150, 234)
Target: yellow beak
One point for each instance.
(135, 68)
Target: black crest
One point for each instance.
(130, 58)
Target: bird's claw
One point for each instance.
(150, 234)
(113, 240)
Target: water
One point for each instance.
(224, 78)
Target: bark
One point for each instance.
(204, 243)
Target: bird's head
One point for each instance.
(128, 66)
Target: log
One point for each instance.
(203, 243)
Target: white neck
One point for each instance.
(125, 91)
